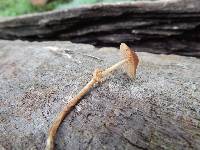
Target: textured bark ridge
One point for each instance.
(158, 110)
(165, 26)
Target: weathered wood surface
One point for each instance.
(159, 110)
(158, 26)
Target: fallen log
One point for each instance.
(169, 27)
(157, 110)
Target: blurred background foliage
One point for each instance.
(19, 7)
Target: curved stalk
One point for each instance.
(67, 109)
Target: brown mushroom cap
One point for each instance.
(132, 60)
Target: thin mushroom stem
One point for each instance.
(97, 77)
(114, 67)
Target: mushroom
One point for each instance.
(130, 63)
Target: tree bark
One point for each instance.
(169, 27)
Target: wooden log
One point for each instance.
(158, 110)
(170, 27)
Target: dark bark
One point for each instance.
(170, 27)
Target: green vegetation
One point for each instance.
(19, 7)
